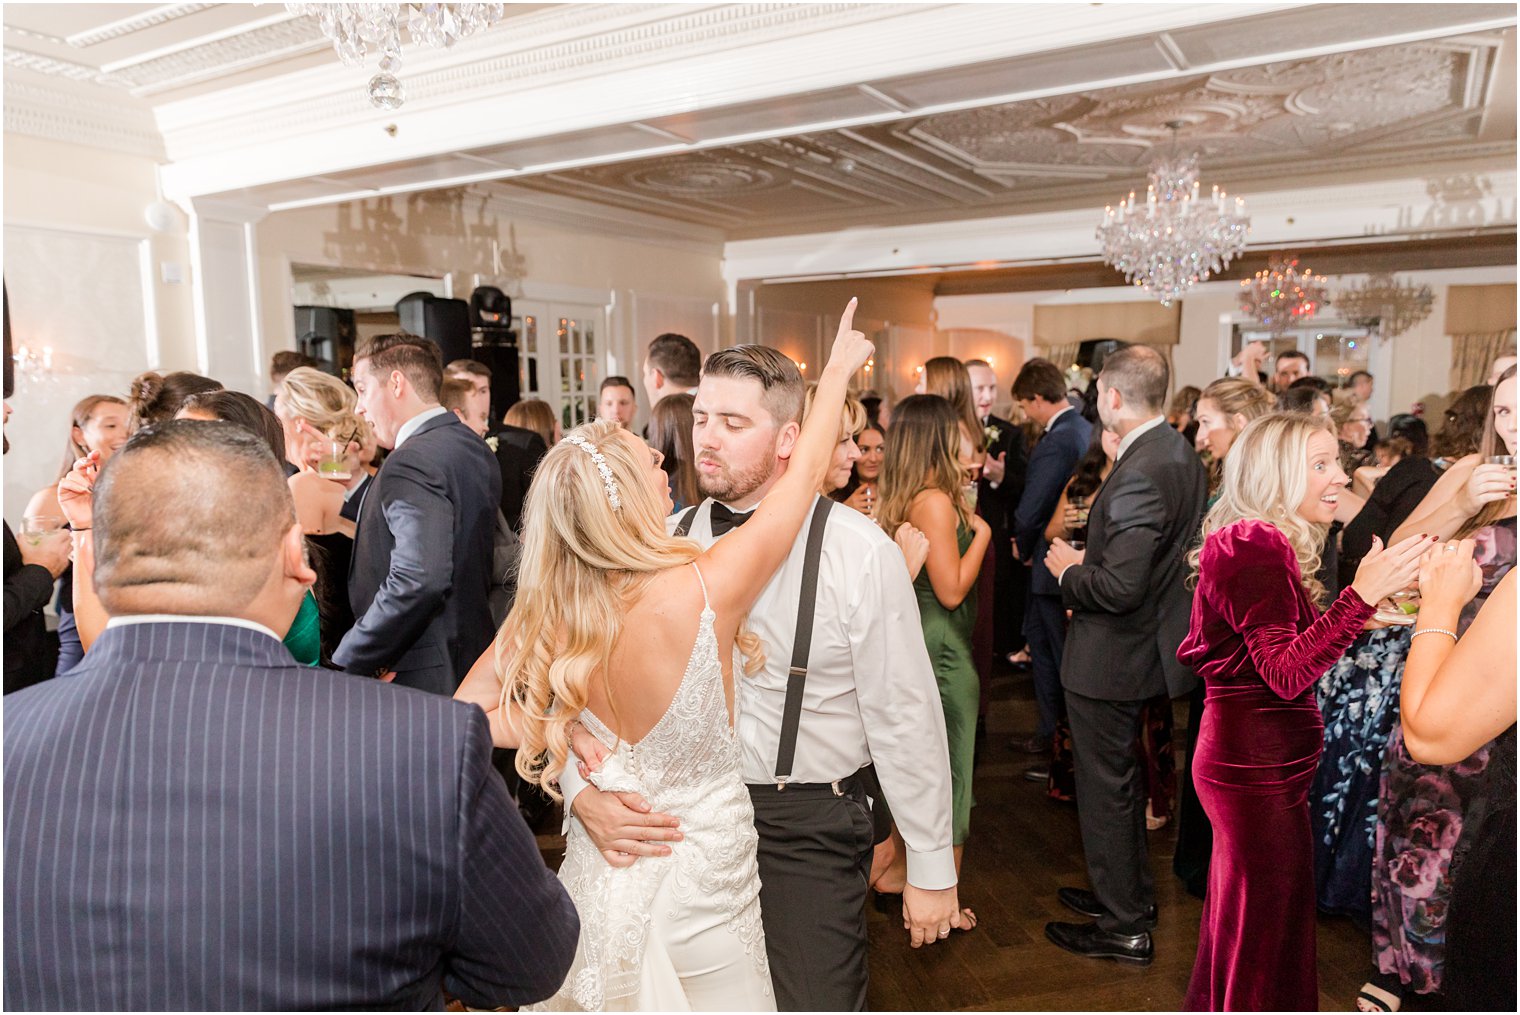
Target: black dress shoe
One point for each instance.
(1090, 940)
(1080, 900)
(1037, 773)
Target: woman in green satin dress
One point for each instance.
(930, 460)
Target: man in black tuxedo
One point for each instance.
(421, 573)
(1040, 390)
(997, 496)
(1130, 605)
(249, 833)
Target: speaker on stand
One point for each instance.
(494, 343)
(444, 322)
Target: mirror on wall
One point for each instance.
(336, 308)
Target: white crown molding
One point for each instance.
(126, 26)
(545, 47)
(45, 111)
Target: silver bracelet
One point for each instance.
(1434, 630)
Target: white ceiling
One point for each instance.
(166, 52)
(768, 119)
(1261, 122)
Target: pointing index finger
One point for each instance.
(847, 320)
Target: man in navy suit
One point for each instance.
(196, 822)
(420, 579)
(1040, 389)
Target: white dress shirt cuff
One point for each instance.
(1068, 567)
(934, 871)
(570, 785)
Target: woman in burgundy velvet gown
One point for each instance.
(1260, 642)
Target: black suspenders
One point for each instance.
(802, 644)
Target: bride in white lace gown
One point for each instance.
(605, 606)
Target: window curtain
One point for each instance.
(1473, 355)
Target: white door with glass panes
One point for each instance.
(561, 353)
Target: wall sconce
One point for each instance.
(870, 364)
(802, 367)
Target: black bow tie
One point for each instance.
(723, 519)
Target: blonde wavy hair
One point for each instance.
(851, 421)
(1266, 475)
(323, 401)
(583, 562)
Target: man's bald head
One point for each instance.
(189, 519)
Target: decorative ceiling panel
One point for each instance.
(1283, 119)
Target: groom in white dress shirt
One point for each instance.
(870, 699)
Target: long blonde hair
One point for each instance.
(323, 401)
(583, 561)
(1266, 476)
(922, 453)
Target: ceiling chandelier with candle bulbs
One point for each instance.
(355, 29)
(1381, 302)
(1283, 296)
(1174, 238)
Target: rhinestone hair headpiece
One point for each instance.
(601, 466)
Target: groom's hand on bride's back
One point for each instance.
(623, 827)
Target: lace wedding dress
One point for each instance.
(679, 932)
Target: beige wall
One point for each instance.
(84, 276)
(649, 287)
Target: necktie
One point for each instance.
(723, 519)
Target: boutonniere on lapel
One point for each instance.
(491, 443)
(992, 434)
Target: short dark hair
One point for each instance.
(1317, 383)
(247, 412)
(1290, 354)
(1140, 374)
(453, 392)
(188, 517)
(677, 357)
(1040, 378)
(468, 366)
(1355, 374)
(977, 363)
(418, 359)
(286, 360)
(1407, 427)
(783, 391)
(617, 381)
(1300, 398)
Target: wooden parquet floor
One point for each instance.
(1023, 847)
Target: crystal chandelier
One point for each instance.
(1282, 296)
(1173, 240)
(355, 28)
(1383, 303)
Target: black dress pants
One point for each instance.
(1111, 808)
(815, 868)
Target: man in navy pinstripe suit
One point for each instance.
(195, 822)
